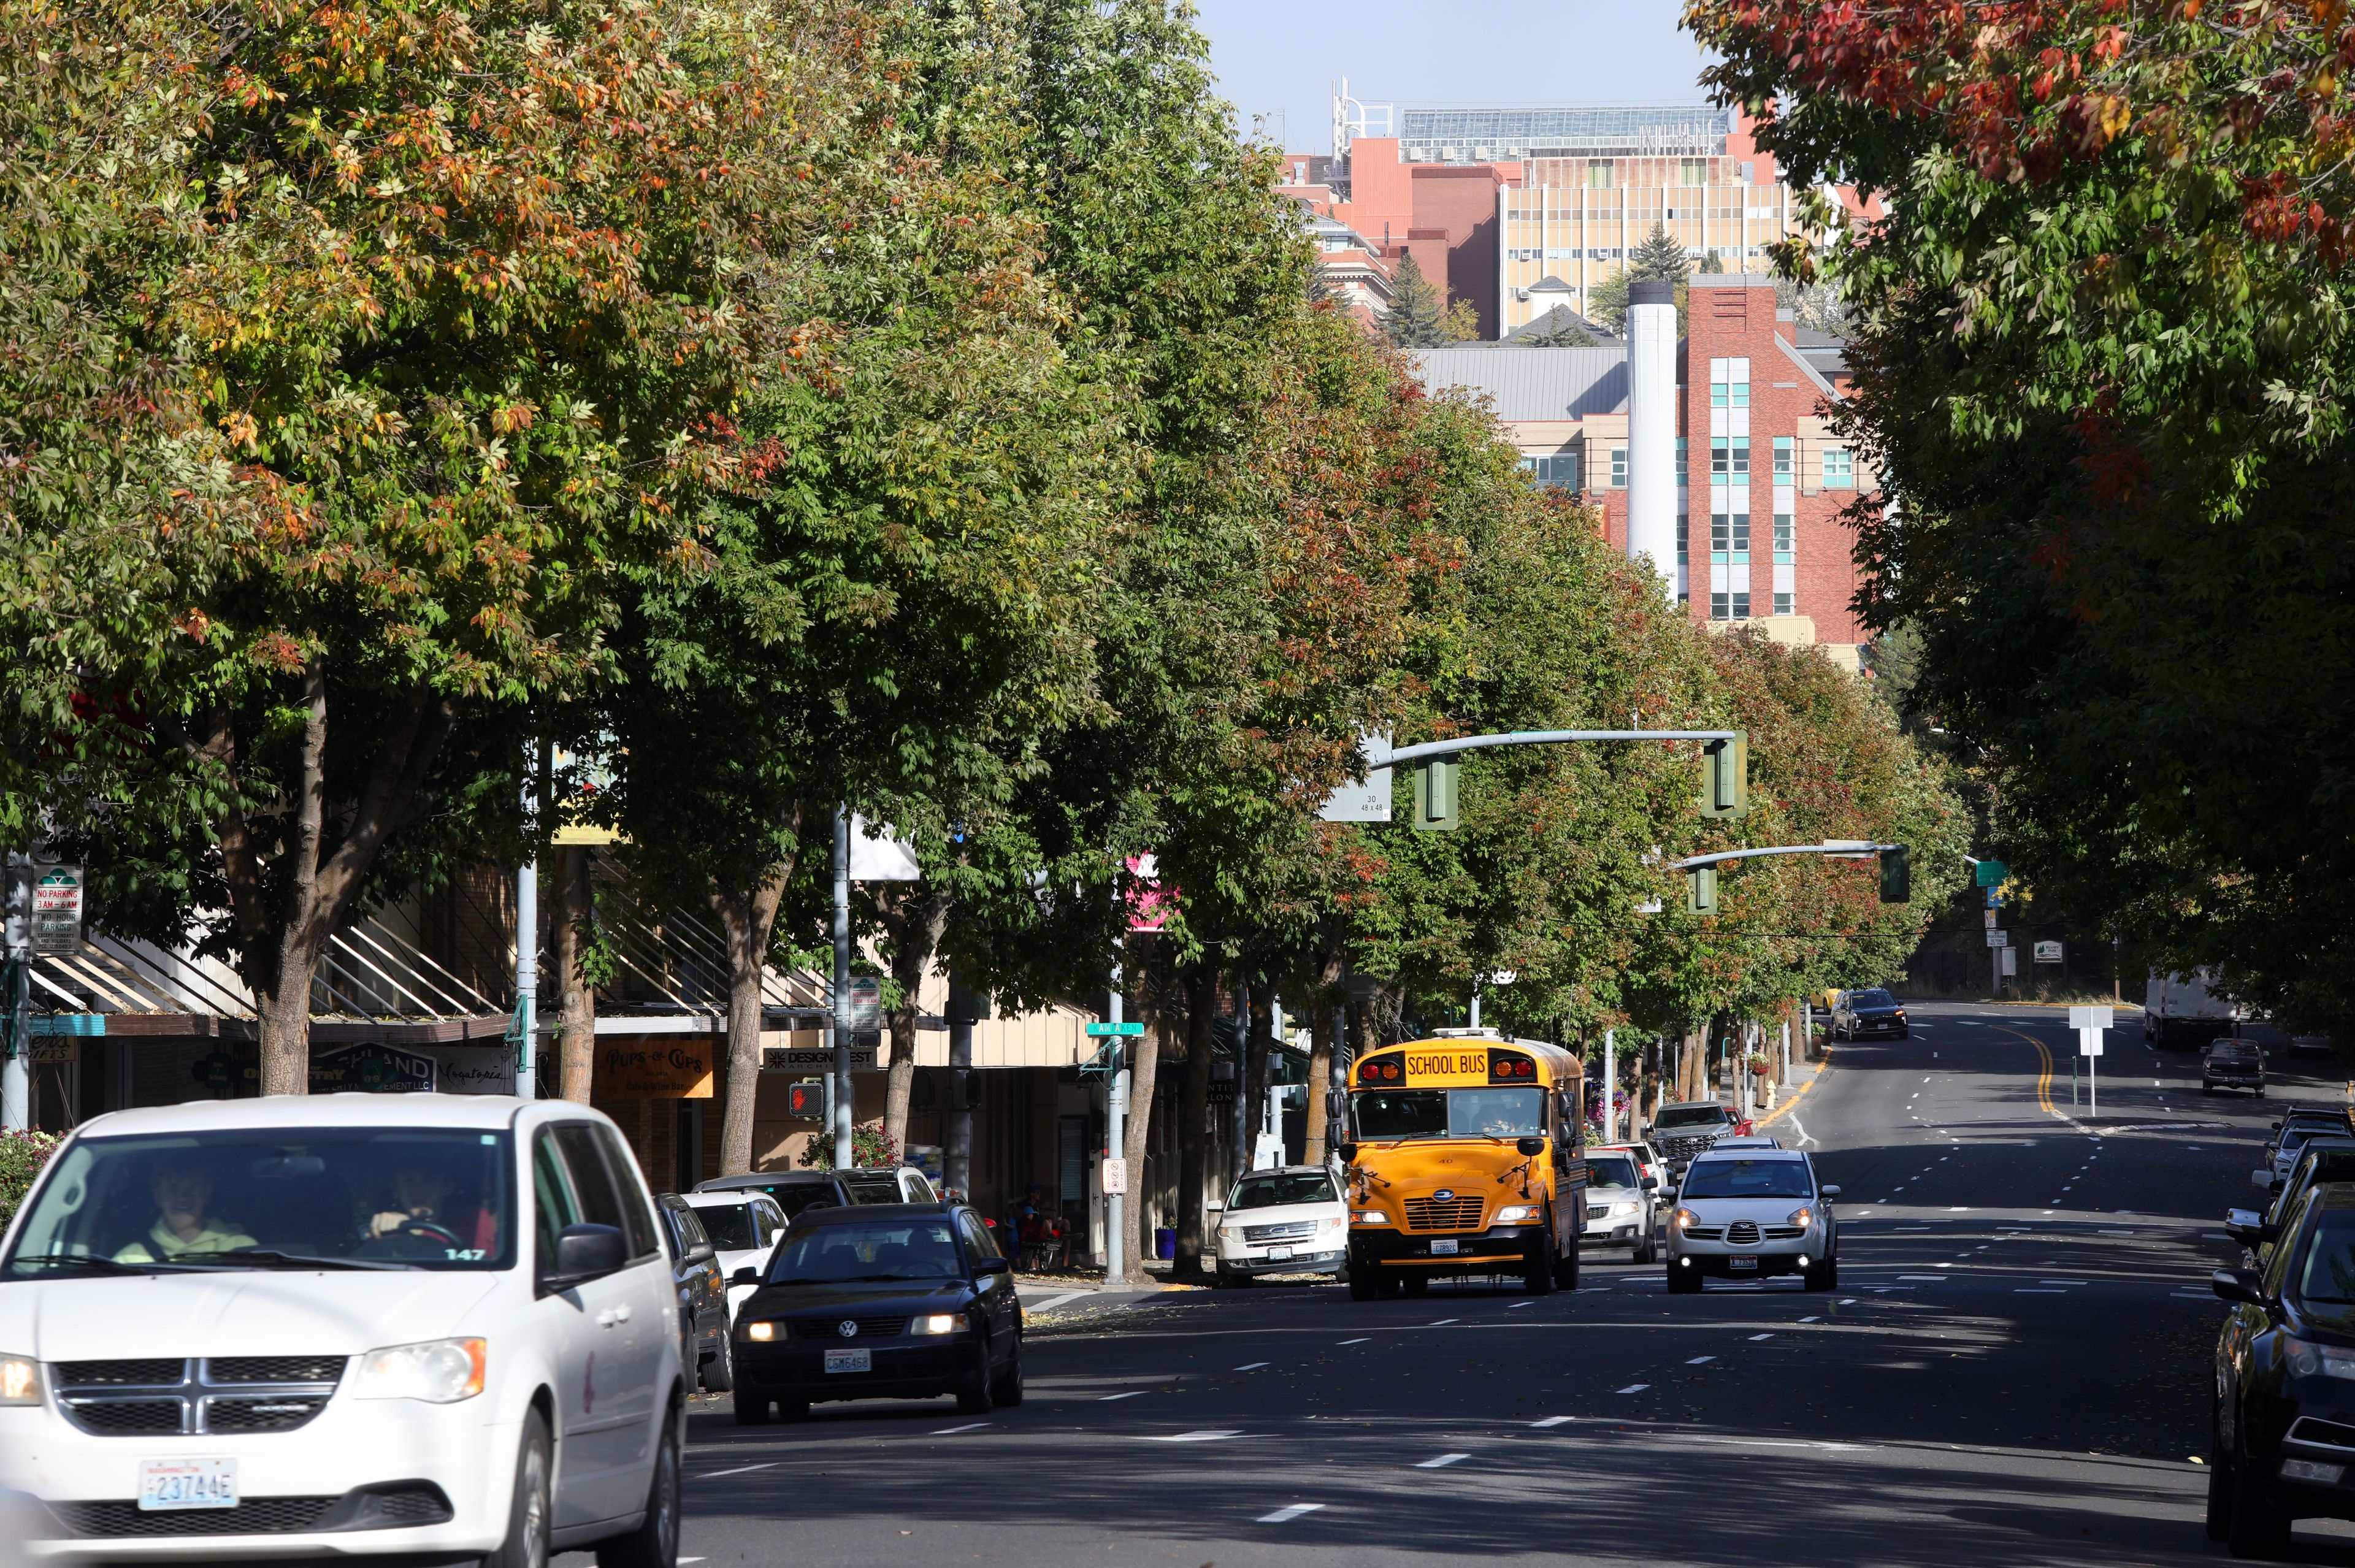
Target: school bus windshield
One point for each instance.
(1383, 1115)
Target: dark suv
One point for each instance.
(2229, 1063)
(1682, 1131)
(1864, 1014)
(2283, 1427)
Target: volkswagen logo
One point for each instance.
(1443, 1194)
(848, 1329)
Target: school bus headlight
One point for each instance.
(1369, 1217)
(1519, 1214)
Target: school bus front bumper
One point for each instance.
(1499, 1246)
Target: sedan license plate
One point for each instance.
(850, 1361)
(1277, 1254)
(173, 1484)
(1741, 1262)
(1443, 1248)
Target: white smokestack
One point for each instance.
(1652, 427)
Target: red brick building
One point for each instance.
(1763, 479)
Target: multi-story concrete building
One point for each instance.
(1762, 477)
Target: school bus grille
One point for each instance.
(1444, 1214)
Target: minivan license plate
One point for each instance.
(1742, 1263)
(1443, 1248)
(172, 1484)
(850, 1361)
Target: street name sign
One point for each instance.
(1115, 1029)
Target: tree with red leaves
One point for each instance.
(2103, 344)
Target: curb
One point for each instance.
(1821, 1068)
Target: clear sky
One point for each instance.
(1279, 58)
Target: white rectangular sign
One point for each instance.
(2089, 1044)
(1115, 1175)
(2048, 952)
(1998, 938)
(2092, 1018)
(57, 912)
(793, 1058)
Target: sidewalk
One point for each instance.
(1804, 1076)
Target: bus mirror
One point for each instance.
(1349, 1152)
(1531, 1145)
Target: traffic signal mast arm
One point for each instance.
(1535, 738)
(1840, 848)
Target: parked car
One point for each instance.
(1650, 1161)
(1870, 1014)
(884, 1301)
(743, 1225)
(344, 1326)
(1622, 1204)
(1748, 1213)
(899, 1184)
(1690, 1127)
(2298, 1123)
(2311, 1045)
(2232, 1063)
(794, 1191)
(702, 1294)
(2283, 1410)
(1289, 1219)
(2324, 1158)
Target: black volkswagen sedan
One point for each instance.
(1863, 1015)
(2283, 1445)
(883, 1301)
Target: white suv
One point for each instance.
(349, 1325)
(1288, 1220)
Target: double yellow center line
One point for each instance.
(2043, 1078)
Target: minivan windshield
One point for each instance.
(1380, 1114)
(841, 1254)
(1747, 1178)
(1274, 1192)
(274, 1198)
(729, 1228)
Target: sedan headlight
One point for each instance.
(2307, 1359)
(938, 1323)
(439, 1372)
(1800, 1216)
(1371, 1217)
(1519, 1214)
(1685, 1219)
(20, 1380)
(763, 1330)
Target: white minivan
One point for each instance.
(349, 1325)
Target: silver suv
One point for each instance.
(1749, 1212)
(1683, 1130)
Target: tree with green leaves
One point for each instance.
(363, 356)
(1416, 316)
(1659, 256)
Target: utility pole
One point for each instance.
(956, 1160)
(526, 969)
(1610, 1085)
(842, 1108)
(1117, 1139)
(16, 1071)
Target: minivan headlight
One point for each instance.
(20, 1380)
(439, 1372)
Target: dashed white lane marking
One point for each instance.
(1281, 1516)
(1054, 1301)
(1444, 1322)
(1207, 1434)
(1930, 1278)
(1359, 1341)
(738, 1470)
(1811, 1319)
(2061, 1282)
(1634, 1388)
(1849, 1301)
(1700, 1360)
(1253, 1366)
(1554, 1421)
(968, 1426)
(1527, 1303)
(1442, 1462)
(1756, 1338)
(1130, 1394)
(2026, 1290)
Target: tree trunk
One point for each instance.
(913, 921)
(1144, 1079)
(1201, 983)
(1259, 1042)
(746, 918)
(1324, 999)
(576, 1021)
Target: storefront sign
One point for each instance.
(803, 1059)
(476, 1069)
(675, 1068)
(54, 1050)
(57, 912)
(372, 1069)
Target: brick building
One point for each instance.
(1762, 479)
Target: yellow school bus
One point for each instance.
(1466, 1154)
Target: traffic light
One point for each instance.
(811, 1100)
(1896, 876)
(1436, 787)
(1725, 776)
(964, 1088)
(1701, 889)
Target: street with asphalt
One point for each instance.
(2014, 1368)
